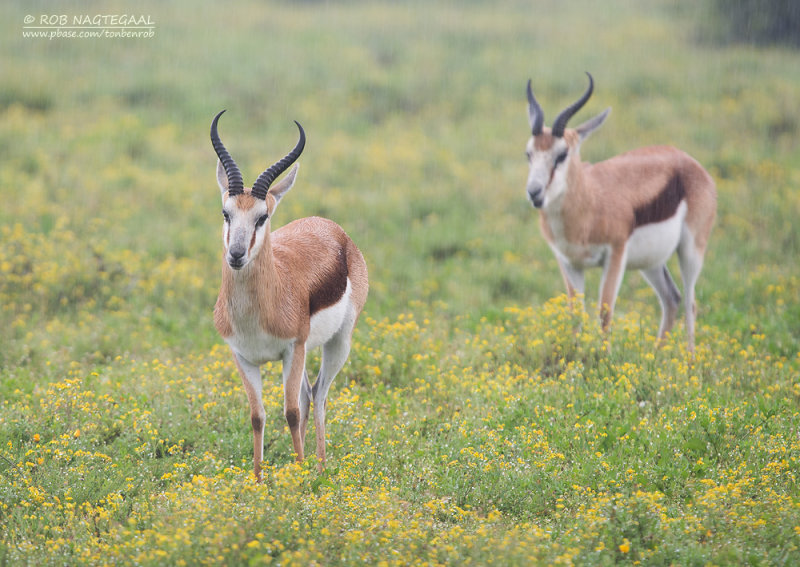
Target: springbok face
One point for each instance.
(246, 212)
(547, 176)
(245, 226)
(549, 149)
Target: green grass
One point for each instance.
(471, 424)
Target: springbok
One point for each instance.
(284, 293)
(633, 210)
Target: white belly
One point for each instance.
(582, 256)
(652, 244)
(256, 346)
(575, 254)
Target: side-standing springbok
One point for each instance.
(284, 293)
(631, 211)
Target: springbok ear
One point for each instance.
(222, 178)
(282, 187)
(592, 124)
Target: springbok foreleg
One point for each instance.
(613, 270)
(251, 379)
(294, 367)
(574, 279)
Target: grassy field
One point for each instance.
(471, 425)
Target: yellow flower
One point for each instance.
(35, 437)
(625, 547)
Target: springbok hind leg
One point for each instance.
(668, 296)
(334, 355)
(306, 396)
(691, 262)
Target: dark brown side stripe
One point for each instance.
(330, 290)
(663, 206)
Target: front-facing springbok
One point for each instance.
(284, 293)
(631, 211)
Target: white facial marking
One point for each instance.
(240, 225)
(547, 172)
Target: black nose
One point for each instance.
(236, 258)
(536, 197)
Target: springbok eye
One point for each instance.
(226, 216)
(560, 159)
(261, 220)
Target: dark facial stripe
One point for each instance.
(663, 206)
(330, 289)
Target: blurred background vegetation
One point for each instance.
(415, 113)
(764, 22)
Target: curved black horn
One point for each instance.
(235, 182)
(261, 186)
(561, 120)
(535, 114)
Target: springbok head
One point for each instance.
(246, 211)
(548, 149)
